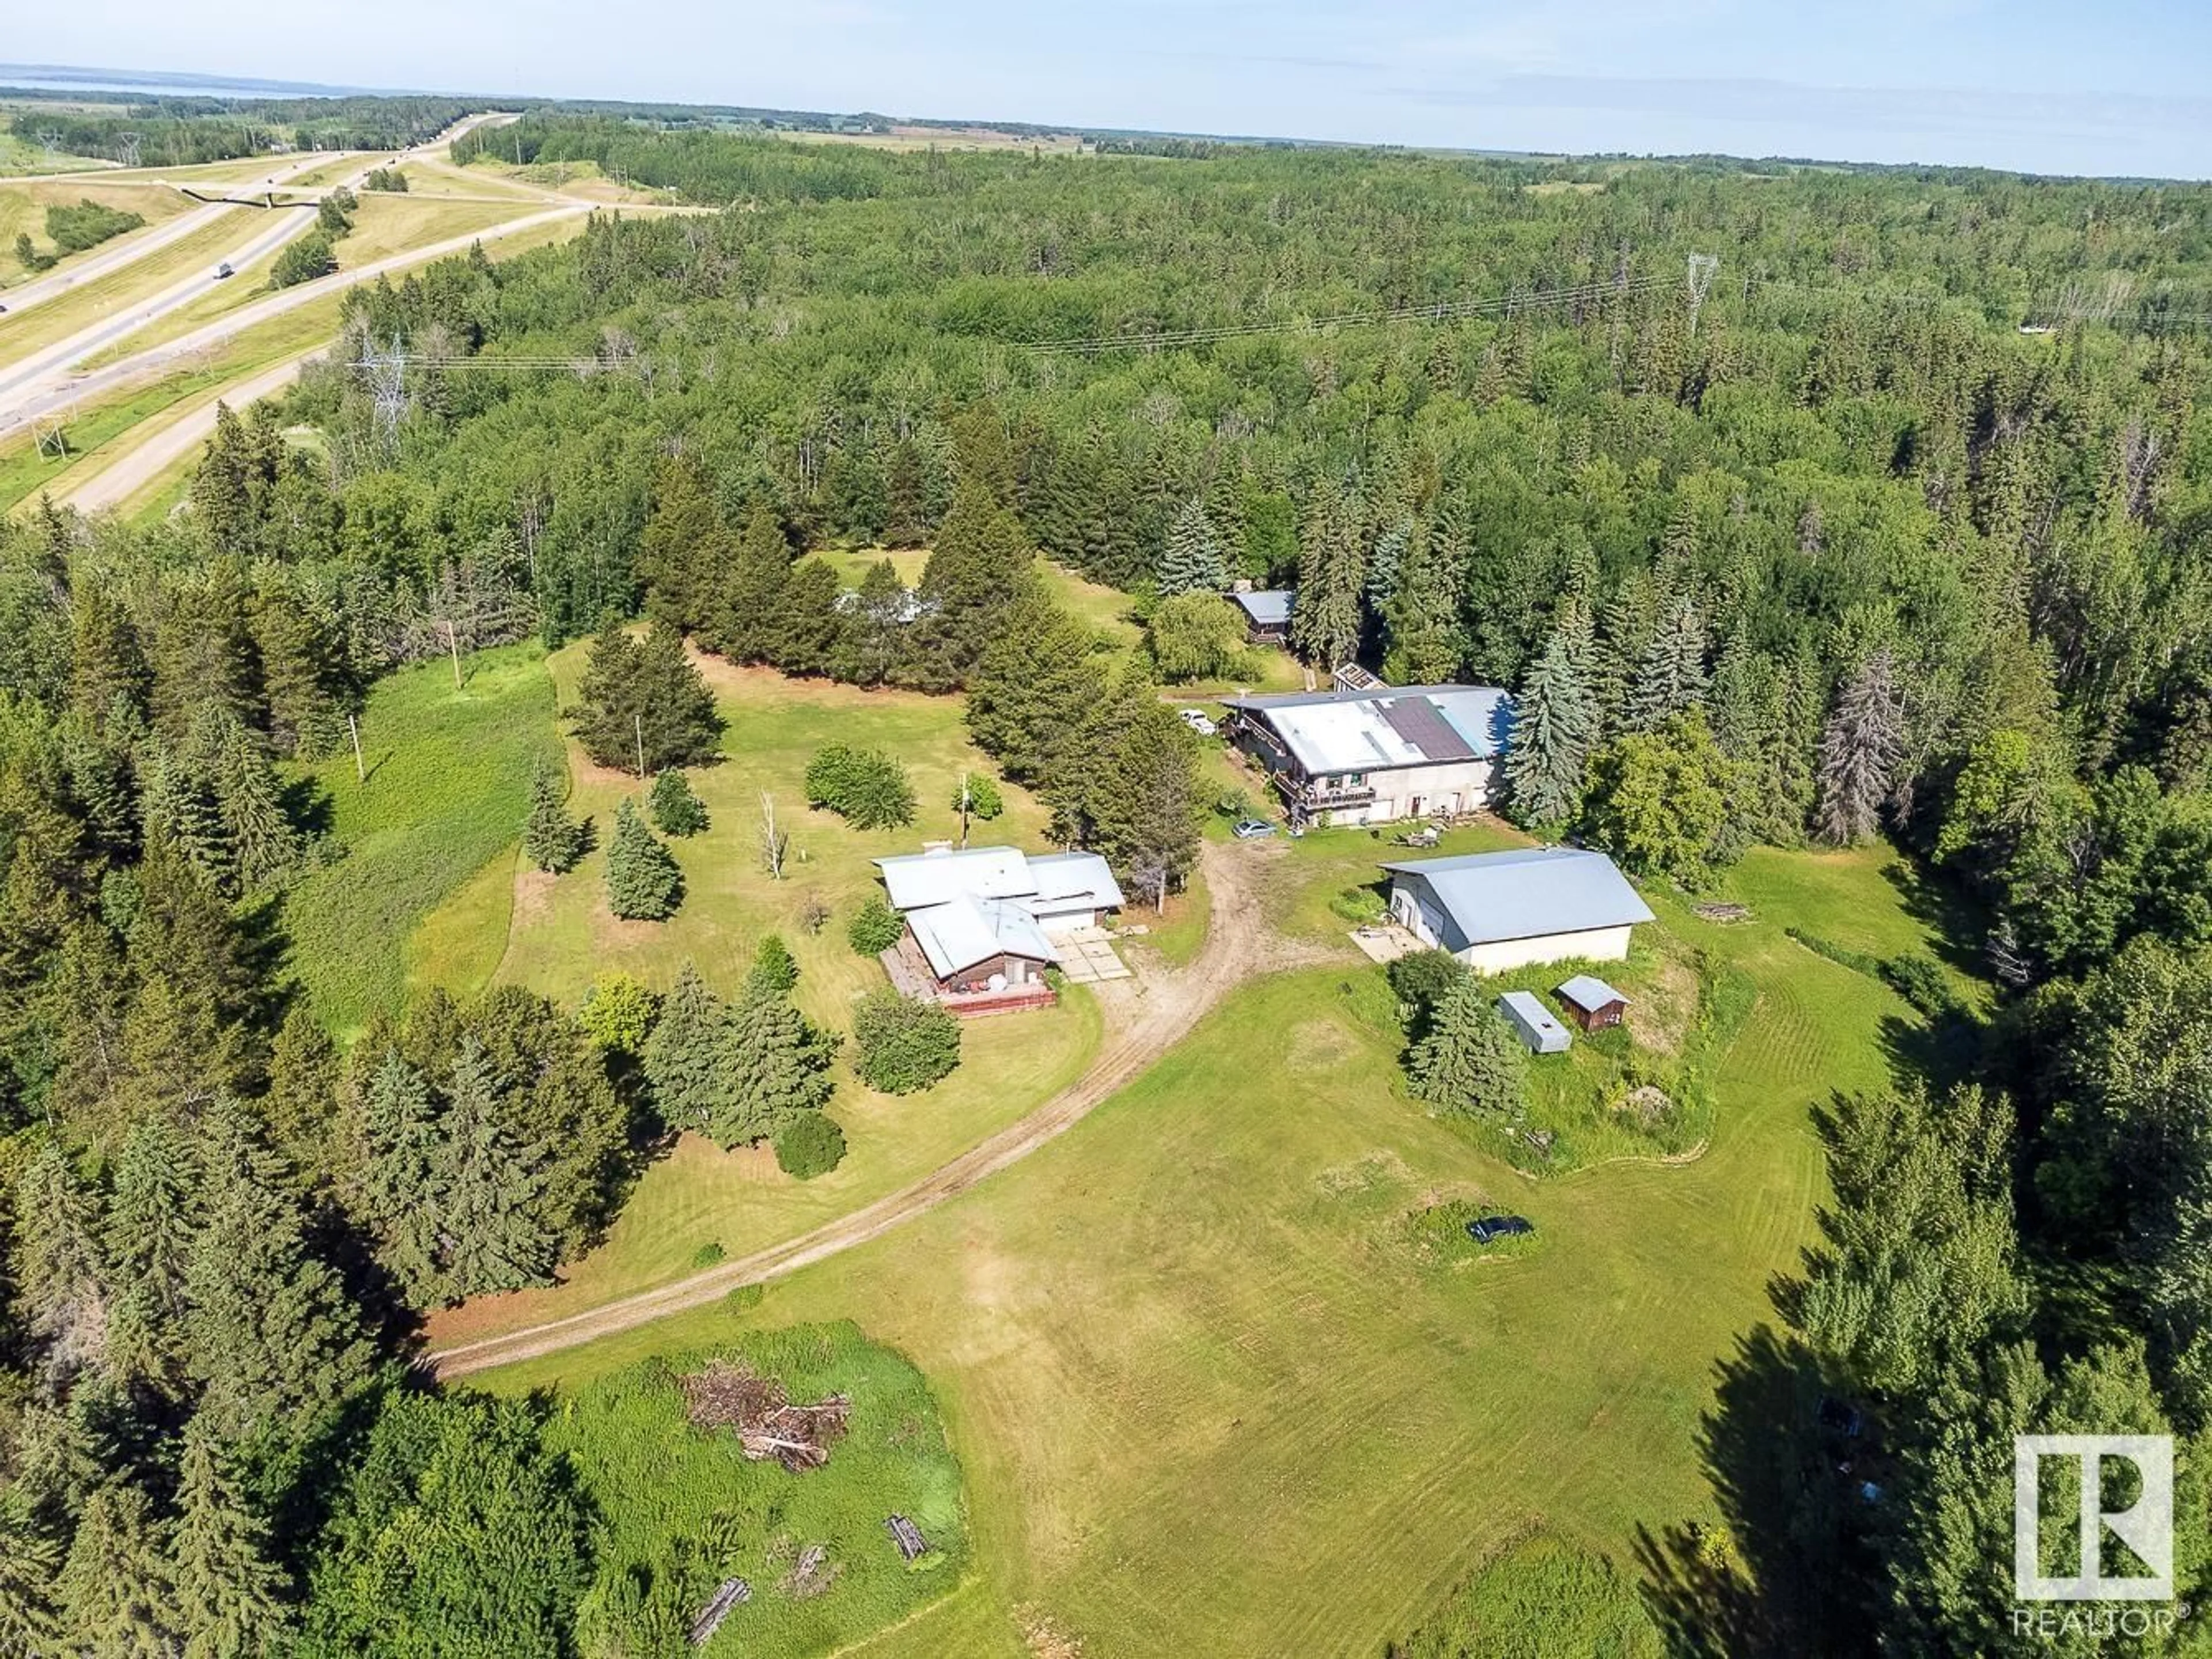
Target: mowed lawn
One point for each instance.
(1209, 1396)
(557, 934)
(449, 784)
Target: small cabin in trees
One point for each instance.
(1591, 1003)
(1498, 911)
(1374, 753)
(1266, 613)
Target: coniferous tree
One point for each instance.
(974, 572)
(773, 1066)
(1554, 733)
(642, 703)
(872, 644)
(263, 841)
(1324, 623)
(151, 1217)
(61, 1271)
(774, 971)
(1143, 810)
(270, 1331)
(644, 883)
(30, 1559)
(116, 1592)
(683, 1055)
(684, 549)
(1426, 643)
(1859, 751)
(229, 1594)
(107, 659)
(1469, 1063)
(1191, 560)
(748, 617)
(490, 1187)
(551, 840)
(1671, 677)
(401, 1194)
(1032, 689)
(675, 808)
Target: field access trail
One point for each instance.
(1146, 1018)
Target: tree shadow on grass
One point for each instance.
(1960, 925)
(1778, 1580)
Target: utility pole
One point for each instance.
(637, 724)
(453, 645)
(360, 769)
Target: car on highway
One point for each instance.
(1251, 828)
(1489, 1228)
(223, 270)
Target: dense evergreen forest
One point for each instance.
(1814, 546)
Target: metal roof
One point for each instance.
(1269, 606)
(1589, 993)
(1371, 730)
(1073, 881)
(915, 879)
(1528, 893)
(1535, 1019)
(967, 931)
(1050, 881)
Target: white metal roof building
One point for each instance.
(1375, 755)
(1499, 910)
(968, 933)
(1533, 1024)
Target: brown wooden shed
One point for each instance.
(1591, 1003)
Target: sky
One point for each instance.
(2120, 88)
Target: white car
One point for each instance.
(1198, 720)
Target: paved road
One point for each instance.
(125, 250)
(40, 382)
(123, 477)
(1145, 1018)
(21, 406)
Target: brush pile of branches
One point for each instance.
(767, 1422)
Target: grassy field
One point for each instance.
(664, 1490)
(23, 207)
(120, 289)
(555, 934)
(1211, 1396)
(448, 782)
(384, 226)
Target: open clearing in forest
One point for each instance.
(1208, 1395)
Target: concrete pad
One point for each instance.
(1385, 943)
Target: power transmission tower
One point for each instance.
(52, 140)
(1702, 267)
(126, 148)
(387, 389)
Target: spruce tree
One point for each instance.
(400, 1195)
(642, 703)
(1427, 644)
(774, 1065)
(643, 881)
(975, 572)
(684, 549)
(115, 1594)
(229, 1594)
(151, 1217)
(675, 808)
(61, 1271)
(1671, 677)
(30, 1559)
(775, 970)
(1554, 732)
(1191, 560)
(272, 1332)
(491, 1187)
(263, 841)
(108, 660)
(1469, 1063)
(683, 1055)
(551, 840)
(1859, 751)
(750, 601)
(1324, 623)
(1144, 809)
